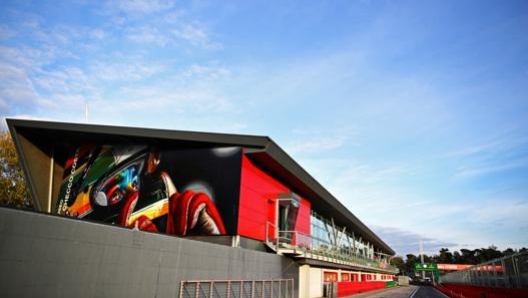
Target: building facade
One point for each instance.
(239, 200)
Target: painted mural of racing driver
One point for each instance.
(124, 185)
(189, 213)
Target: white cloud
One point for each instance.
(148, 35)
(6, 32)
(67, 106)
(505, 211)
(498, 153)
(97, 34)
(197, 36)
(407, 242)
(206, 71)
(201, 102)
(475, 149)
(64, 80)
(16, 90)
(127, 70)
(477, 170)
(138, 8)
(316, 145)
(312, 140)
(162, 24)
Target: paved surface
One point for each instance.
(428, 292)
(402, 292)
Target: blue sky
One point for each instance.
(412, 113)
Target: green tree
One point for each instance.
(468, 256)
(457, 258)
(13, 188)
(398, 263)
(445, 256)
(490, 253)
(409, 263)
(508, 252)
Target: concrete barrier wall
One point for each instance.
(43, 255)
(349, 288)
(468, 291)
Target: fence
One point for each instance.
(275, 288)
(509, 272)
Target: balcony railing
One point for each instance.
(306, 246)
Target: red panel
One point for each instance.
(467, 291)
(303, 218)
(258, 192)
(257, 201)
(350, 288)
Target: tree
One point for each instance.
(409, 263)
(468, 256)
(508, 252)
(398, 263)
(445, 256)
(457, 258)
(13, 188)
(490, 253)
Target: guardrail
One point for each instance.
(509, 272)
(314, 248)
(273, 288)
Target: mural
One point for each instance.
(178, 192)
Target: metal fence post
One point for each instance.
(181, 288)
(516, 272)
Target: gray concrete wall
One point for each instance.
(48, 256)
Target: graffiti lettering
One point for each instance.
(63, 204)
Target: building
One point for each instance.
(142, 212)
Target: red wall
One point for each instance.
(350, 288)
(468, 291)
(258, 192)
(303, 218)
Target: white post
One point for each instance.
(422, 257)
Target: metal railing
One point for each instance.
(274, 288)
(314, 248)
(510, 272)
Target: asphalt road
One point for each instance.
(403, 292)
(428, 292)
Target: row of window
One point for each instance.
(324, 231)
(332, 276)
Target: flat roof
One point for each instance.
(31, 136)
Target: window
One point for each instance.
(345, 277)
(330, 276)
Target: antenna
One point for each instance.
(86, 114)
